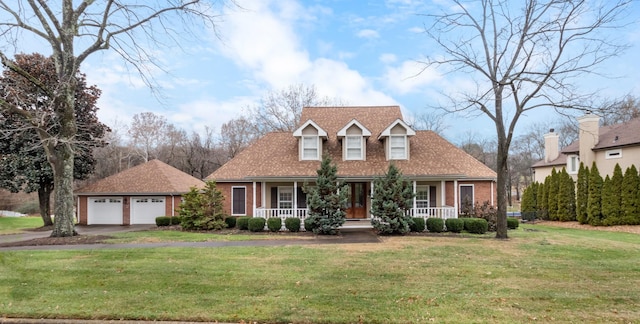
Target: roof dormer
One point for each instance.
(354, 138)
(310, 137)
(396, 140)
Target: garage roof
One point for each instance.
(153, 177)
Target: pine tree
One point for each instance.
(529, 205)
(566, 197)
(594, 202)
(203, 209)
(582, 194)
(613, 215)
(630, 196)
(392, 199)
(552, 203)
(543, 198)
(606, 199)
(327, 200)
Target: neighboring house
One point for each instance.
(266, 179)
(134, 196)
(606, 145)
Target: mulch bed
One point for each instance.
(71, 240)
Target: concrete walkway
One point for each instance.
(347, 236)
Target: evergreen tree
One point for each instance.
(613, 214)
(566, 197)
(552, 203)
(630, 196)
(594, 201)
(582, 194)
(543, 199)
(606, 200)
(392, 199)
(327, 200)
(203, 209)
(529, 205)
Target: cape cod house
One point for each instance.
(604, 145)
(266, 179)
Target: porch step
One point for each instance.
(360, 223)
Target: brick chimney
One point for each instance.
(588, 135)
(551, 149)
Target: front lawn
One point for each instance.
(13, 225)
(157, 236)
(541, 274)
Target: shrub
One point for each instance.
(327, 200)
(435, 225)
(454, 225)
(417, 224)
(203, 209)
(476, 225)
(175, 220)
(487, 212)
(274, 224)
(512, 223)
(243, 223)
(292, 224)
(256, 224)
(163, 221)
(231, 222)
(29, 208)
(309, 225)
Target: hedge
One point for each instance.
(292, 224)
(454, 225)
(512, 223)
(163, 221)
(274, 224)
(417, 225)
(256, 224)
(476, 225)
(435, 225)
(231, 222)
(308, 225)
(243, 223)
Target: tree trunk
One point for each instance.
(44, 199)
(63, 192)
(503, 174)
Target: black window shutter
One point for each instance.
(274, 197)
(302, 198)
(432, 196)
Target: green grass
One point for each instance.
(546, 275)
(13, 225)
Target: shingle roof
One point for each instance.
(153, 177)
(612, 136)
(276, 154)
(560, 160)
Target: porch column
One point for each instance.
(254, 198)
(415, 188)
(443, 196)
(263, 193)
(455, 197)
(295, 198)
(371, 195)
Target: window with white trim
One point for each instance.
(238, 201)
(285, 197)
(466, 199)
(572, 164)
(613, 154)
(398, 147)
(354, 147)
(422, 196)
(309, 147)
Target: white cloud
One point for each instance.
(410, 76)
(208, 112)
(368, 33)
(416, 30)
(387, 58)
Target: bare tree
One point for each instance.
(280, 110)
(201, 154)
(429, 121)
(522, 57)
(236, 135)
(620, 110)
(74, 30)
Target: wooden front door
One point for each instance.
(357, 201)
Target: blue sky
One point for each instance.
(363, 52)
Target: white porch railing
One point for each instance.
(301, 213)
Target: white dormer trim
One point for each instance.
(396, 145)
(321, 132)
(387, 131)
(343, 131)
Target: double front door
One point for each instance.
(357, 200)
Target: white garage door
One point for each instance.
(144, 210)
(104, 211)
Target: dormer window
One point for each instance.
(396, 140)
(398, 147)
(310, 137)
(310, 148)
(354, 138)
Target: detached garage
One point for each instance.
(134, 196)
